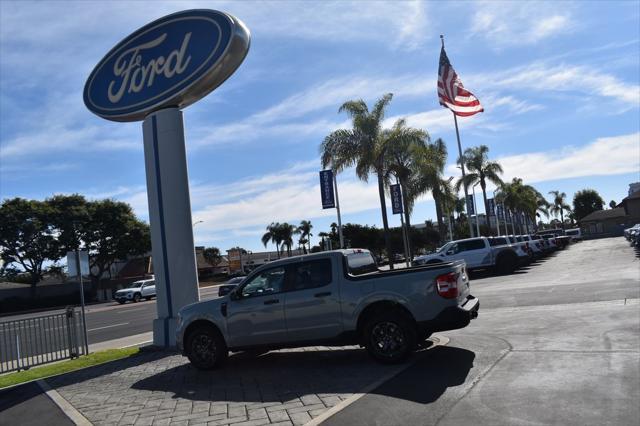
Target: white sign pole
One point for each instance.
(172, 243)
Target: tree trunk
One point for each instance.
(483, 185)
(440, 222)
(407, 218)
(385, 222)
(562, 218)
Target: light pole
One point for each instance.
(79, 271)
(475, 207)
(196, 222)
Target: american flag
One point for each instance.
(452, 93)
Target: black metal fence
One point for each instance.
(34, 341)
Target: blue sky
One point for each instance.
(559, 82)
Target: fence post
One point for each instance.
(69, 314)
(18, 352)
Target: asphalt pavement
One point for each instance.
(557, 343)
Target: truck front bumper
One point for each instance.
(454, 317)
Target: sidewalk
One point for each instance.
(287, 387)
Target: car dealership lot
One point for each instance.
(556, 343)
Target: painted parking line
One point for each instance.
(108, 326)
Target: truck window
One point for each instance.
(312, 274)
(470, 245)
(498, 242)
(267, 282)
(361, 263)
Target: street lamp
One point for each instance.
(197, 222)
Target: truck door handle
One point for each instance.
(326, 293)
(271, 301)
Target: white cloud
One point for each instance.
(605, 156)
(520, 23)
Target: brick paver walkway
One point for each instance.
(288, 387)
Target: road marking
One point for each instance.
(107, 326)
(131, 310)
(68, 409)
(439, 341)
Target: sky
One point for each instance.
(559, 82)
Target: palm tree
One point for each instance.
(361, 146)
(429, 162)
(272, 236)
(559, 205)
(302, 242)
(323, 235)
(286, 231)
(400, 154)
(522, 199)
(304, 229)
(480, 169)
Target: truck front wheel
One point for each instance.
(390, 337)
(205, 348)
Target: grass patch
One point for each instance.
(66, 366)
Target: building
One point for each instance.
(631, 206)
(605, 223)
(634, 187)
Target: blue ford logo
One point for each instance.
(171, 62)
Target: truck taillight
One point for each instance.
(447, 285)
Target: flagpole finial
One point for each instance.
(442, 40)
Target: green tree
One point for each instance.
(521, 199)
(586, 202)
(272, 235)
(112, 232)
(304, 230)
(361, 146)
(613, 204)
(212, 255)
(401, 144)
(286, 232)
(480, 169)
(27, 237)
(559, 205)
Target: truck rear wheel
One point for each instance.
(205, 348)
(390, 337)
(506, 264)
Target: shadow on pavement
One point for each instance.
(424, 382)
(274, 374)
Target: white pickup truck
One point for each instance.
(479, 253)
(331, 298)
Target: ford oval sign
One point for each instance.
(171, 62)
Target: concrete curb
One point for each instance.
(439, 341)
(69, 410)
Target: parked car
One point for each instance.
(575, 234)
(337, 297)
(535, 245)
(136, 291)
(630, 233)
(477, 253)
(230, 284)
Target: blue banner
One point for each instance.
(470, 209)
(492, 207)
(396, 199)
(500, 211)
(326, 189)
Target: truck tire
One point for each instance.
(205, 348)
(390, 337)
(506, 264)
(136, 298)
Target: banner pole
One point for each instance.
(466, 191)
(335, 190)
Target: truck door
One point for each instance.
(312, 302)
(474, 252)
(257, 316)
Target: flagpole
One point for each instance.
(466, 191)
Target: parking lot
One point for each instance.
(558, 342)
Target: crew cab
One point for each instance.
(136, 291)
(478, 253)
(338, 297)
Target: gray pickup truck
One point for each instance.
(331, 298)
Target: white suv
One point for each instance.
(136, 291)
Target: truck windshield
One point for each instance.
(361, 263)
